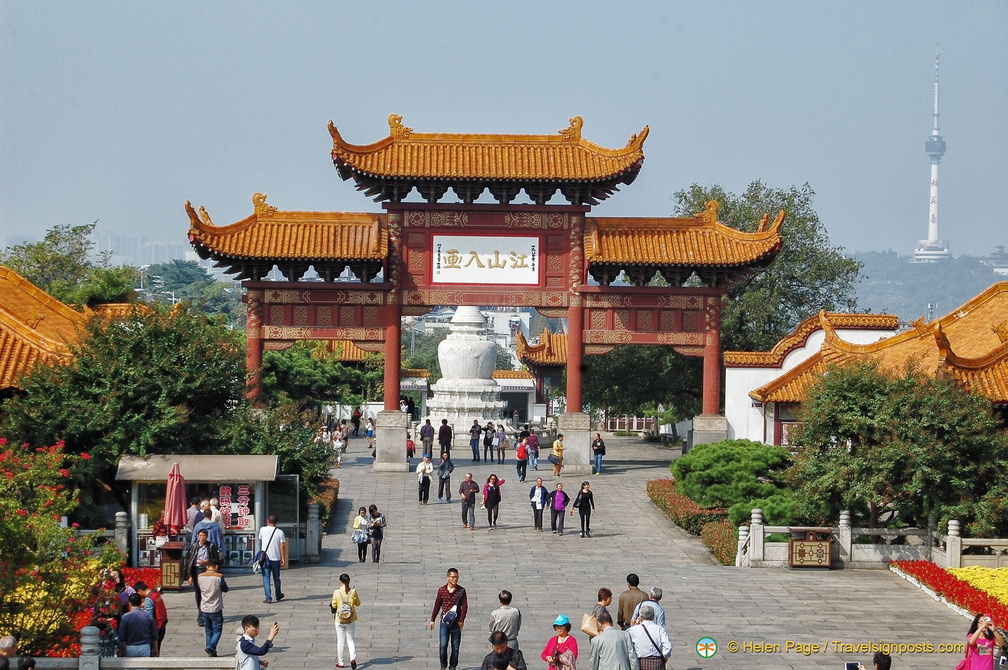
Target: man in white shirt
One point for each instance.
(424, 470)
(273, 543)
(651, 642)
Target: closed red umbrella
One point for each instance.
(175, 516)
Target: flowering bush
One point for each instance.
(992, 580)
(684, 513)
(325, 497)
(955, 590)
(719, 536)
(48, 574)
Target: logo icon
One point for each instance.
(706, 647)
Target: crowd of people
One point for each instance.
(637, 639)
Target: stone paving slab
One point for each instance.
(550, 574)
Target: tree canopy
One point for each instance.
(901, 447)
(169, 382)
(808, 275)
(310, 376)
(61, 265)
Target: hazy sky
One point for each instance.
(122, 111)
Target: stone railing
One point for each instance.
(754, 551)
(119, 535)
(947, 551)
(90, 659)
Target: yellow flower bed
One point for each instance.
(992, 580)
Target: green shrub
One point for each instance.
(780, 509)
(723, 474)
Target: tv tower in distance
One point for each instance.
(933, 249)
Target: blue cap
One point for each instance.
(561, 620)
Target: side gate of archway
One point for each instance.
(415, 256)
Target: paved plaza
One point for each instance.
(550, 574)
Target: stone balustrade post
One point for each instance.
(756, 538)
(313, 536)
(953, 549)
(122, 531)
(845, 535)
(743, 538)
(90, 653)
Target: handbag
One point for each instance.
(261, 559)
(553, 458)
(589, 624)
(965, 662)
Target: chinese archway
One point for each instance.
(417, 255)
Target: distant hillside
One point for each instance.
(891, 284)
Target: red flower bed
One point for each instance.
(955, 590)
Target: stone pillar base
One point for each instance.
(391, 426)
(576, 429)
(709, 428)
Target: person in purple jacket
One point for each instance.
(557, 502)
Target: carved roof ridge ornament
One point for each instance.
(573, 132)
(396, 129)
(1001, 330)
(259, 205)
(945, 352)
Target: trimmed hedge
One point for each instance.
(684, 513)
(719, 537)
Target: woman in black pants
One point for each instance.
(377, 520)
(491, 499)
(489, 433)
(584, 503)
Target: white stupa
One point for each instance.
(467, 390)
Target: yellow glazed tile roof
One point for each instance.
(348, 351)
(686, 241)
(551, 350)
(775, 357)
(969, 344)
(35, 328)
(563, 156)
(512, 374)
(272, 234)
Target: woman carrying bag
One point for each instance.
(361, 535)
(343, 605)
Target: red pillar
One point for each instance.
(253, 343)
(575, 355)
(393, 354)
(712, 369)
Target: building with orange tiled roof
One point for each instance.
(678, 248)
(546, 360)
(294, 241)
(969, 345)
(469, 164)
(35, 328)
(38, 329)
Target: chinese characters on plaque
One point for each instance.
(468, 259)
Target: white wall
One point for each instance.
(747, 422)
